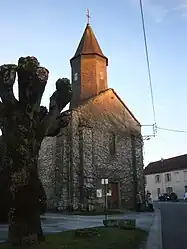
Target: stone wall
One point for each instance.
(139, 165)
(62, 164)
(46, 168)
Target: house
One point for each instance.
(102, 140)
(167, 176)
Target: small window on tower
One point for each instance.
(75, 76)
(101, 76)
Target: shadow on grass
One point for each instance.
(100, 238)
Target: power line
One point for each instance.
(155, 127)
(172, 130)
(162, 129)
(148, 63)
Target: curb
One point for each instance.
(154, 240)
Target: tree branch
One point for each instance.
(61, 121)
(53, 121)
(7, 80)
(62, 96)
(3, 118)
(2, 108)
(32, 80)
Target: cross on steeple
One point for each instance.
(88, 16)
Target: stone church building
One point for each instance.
(102, 140)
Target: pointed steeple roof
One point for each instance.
(89, 44)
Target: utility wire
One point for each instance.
(155, 127)
(148, 63)
(172, 130)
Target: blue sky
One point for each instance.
(51, 30)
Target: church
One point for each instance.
(102, 141)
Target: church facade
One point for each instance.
(102, 140)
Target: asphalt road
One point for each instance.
(174, 225)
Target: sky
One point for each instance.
(51, 30)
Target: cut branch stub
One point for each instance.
(7, 80)
(62, 96)
(43, 112)
(2, 110)
(61, 121)
(64, 119)
(32, 80)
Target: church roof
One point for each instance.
(88, 44)
(132, 115)
(109, 89)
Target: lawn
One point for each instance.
(100, 238)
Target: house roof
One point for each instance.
(88, 44)
(109, 89)
(170, 164)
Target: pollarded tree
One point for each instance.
(25, 123)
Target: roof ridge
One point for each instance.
(169, 164)
(132, 115)
(170, 158)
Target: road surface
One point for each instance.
(174, 225)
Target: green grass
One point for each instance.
(106, 238)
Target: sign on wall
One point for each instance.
(99, 193)
(104, 181)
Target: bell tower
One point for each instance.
(88, 68)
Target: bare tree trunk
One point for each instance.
(24, 216)
(26, 123)
(23, 229)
